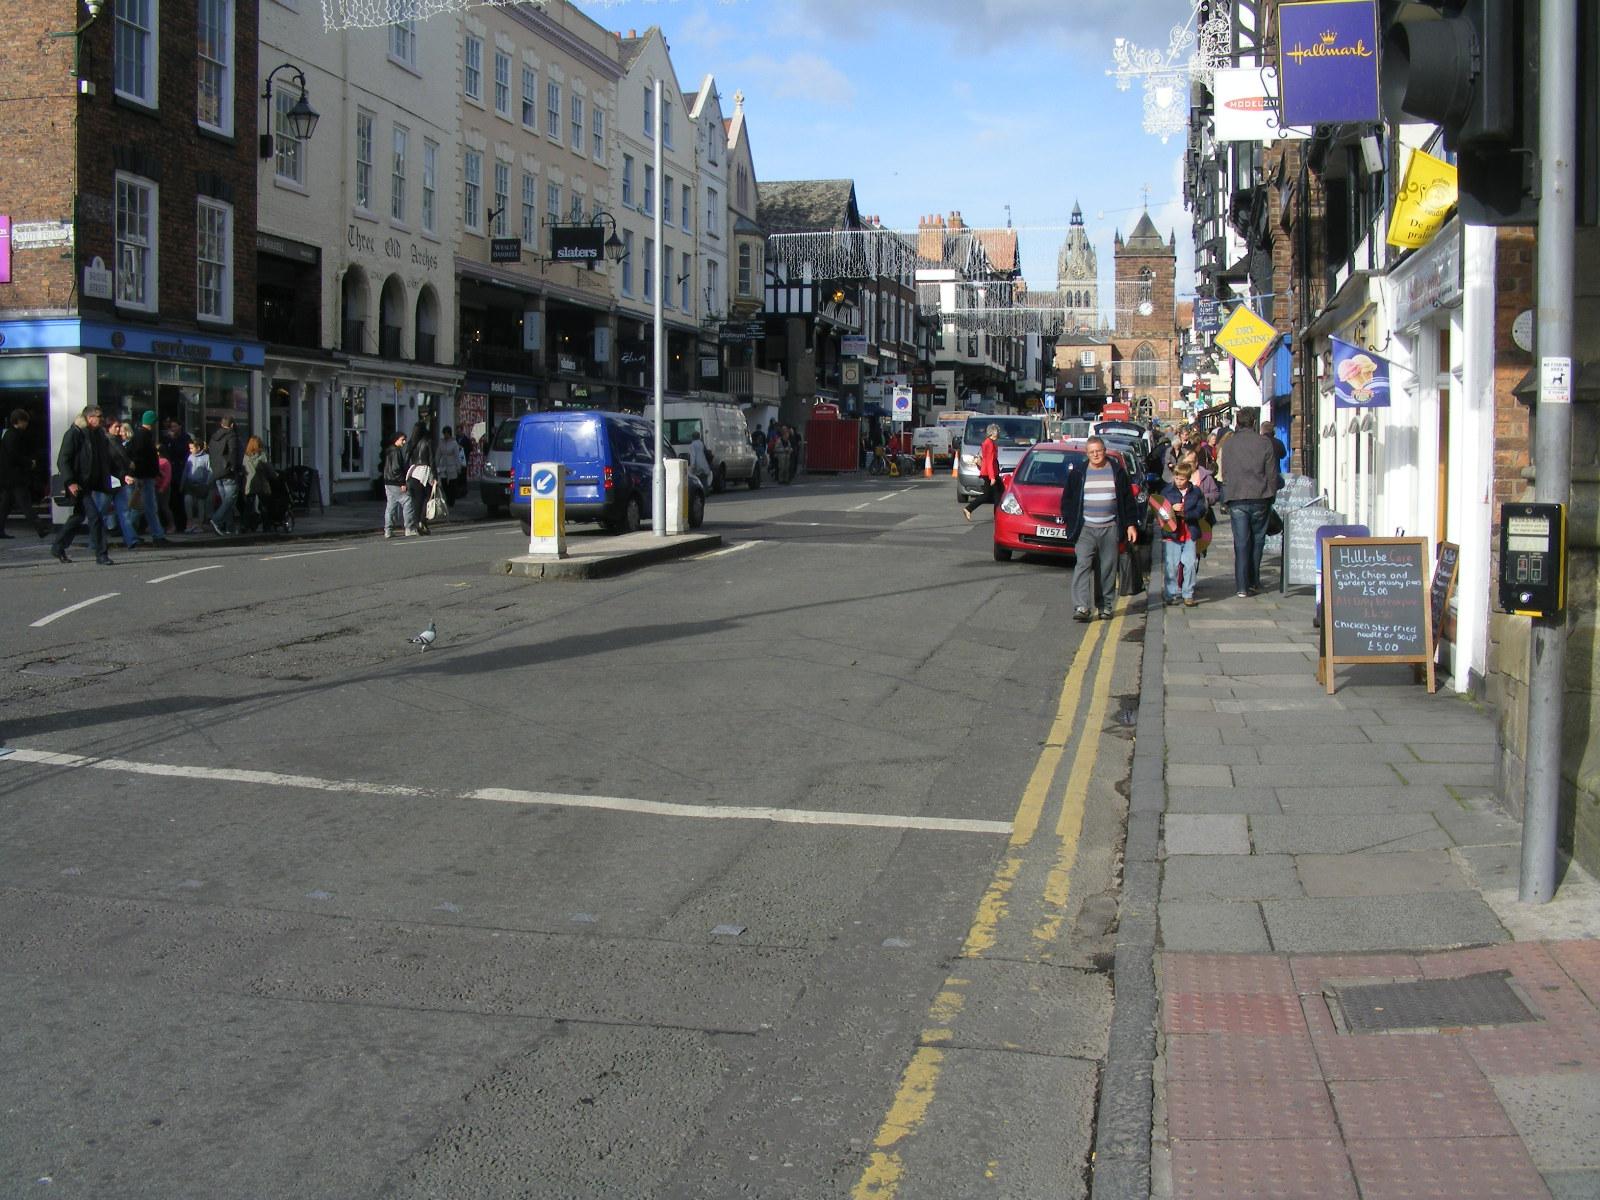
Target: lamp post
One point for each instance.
(302, 118)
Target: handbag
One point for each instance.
(436, 509)
(1274, 522)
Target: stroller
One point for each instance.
(274, 512)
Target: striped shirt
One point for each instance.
(1099, 496)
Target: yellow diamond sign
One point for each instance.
(1245, 336)
(1427, 194)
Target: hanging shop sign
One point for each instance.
(1427, 197)
(505, 250)
(1246, 336)
(1247, 108)
(577, 243)
(1360, 377)
(1328, 61)
(1207, 319)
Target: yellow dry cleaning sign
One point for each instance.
(1427, 194)
(1245, 336)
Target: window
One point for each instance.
(135, 49)
(472, 191)
(1145, 278)
(552, 202)
(430, 183)
(666, 199)
(666, 265)
(214, 73)
(397, 174)
(577, 208)
(136, 242)
(713, 205)
(576, 113)
(213, 260)
(530, 210)
(472, 69)
(744, 269)
(649, 190)
(597, 120)
(403, 41)
(742, 189)
(552, 110)
(1086, 382)
(713, 287)
(685, 210)
(530, 98)
(290, 152)
(363, 160)
(353, 426)
(502, 196)
(666, 122)
(627, 181)
(711, 142)
(627, 262)
(1145, 368)
(683, 282)
(502, 85)
(649, 112)
(649, 265)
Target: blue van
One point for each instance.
(609, 462)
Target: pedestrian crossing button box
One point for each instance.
(1533, 559)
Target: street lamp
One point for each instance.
(613, 244)
(301, 117)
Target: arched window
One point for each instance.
(392, 317)
(427, 326)
(1146, 371)
(1146, 284)
(353, 312)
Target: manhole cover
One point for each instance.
(70, 670)
(1484, 999)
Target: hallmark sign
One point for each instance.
(577, 244)
(1328, 61)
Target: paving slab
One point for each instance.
(1346, 833)
(1452, 752)
(1405, 873)
(1355, 770)
(1473, 823)
(1222, 877)
(1315, 753)
(1225, 756)
(1223, 800)
(1557, 1117)
(1473, 775)
(1305, 1169)
(1420, 735)
(1191, 774)
(1371, 801)
(1209, 833)
(1194, 925)
(1468, 1168)
(1368, 923)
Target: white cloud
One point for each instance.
(799, 76)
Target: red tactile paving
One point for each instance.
(1249, 1109)
(1581, 961)
(1532, 1049)
(1224, 1012)
(1491, 1168)
(1461, 1106)
(1529, 962)
(1311, 969)
(1281, 1169)
(1234, 973)
(1241, 1056)
(1394, 1056)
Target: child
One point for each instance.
(197, 481)
(1183, 506)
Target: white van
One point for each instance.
(721, 427)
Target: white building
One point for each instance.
(714, 231)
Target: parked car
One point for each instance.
(1017, 436)
(494, 480)
(1028, 518)
(723, 430)
(610, 467)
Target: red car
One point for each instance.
(1028, 518)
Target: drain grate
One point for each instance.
(1484, 999)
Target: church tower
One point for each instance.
(1145, 348)
(1078, 277)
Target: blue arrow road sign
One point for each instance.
(544, 483)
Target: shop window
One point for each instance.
(353, 431)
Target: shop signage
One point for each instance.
(391, 248)
(742, 331)
(1207, 319)
(1430, 279)
(1247, 106)
(505, 250)
(1360, 377)
(1246, 336)
(532, 330)
(567, 362)
(1328, 61)
(97, 279)
(853, 344)
(577, 243)
(298, 252)
(1427, 196)
(5, 249)
(850, 373)
(1375, 604)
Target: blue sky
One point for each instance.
(939, 105)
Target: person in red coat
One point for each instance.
(988, 471)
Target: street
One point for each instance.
(787, 870)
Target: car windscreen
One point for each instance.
(505, 437)
(1014, 431)
(1046, 468)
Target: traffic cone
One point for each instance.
(955, 463)
(927, 465)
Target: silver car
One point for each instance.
(1017, 436)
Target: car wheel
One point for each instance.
(697, 511)
(628, 522)
(1002, 554)
(719, 479)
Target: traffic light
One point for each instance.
(1472, 68)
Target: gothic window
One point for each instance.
(1146, 278)
(1145, 368)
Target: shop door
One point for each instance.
(1441, 531)
(278, 430)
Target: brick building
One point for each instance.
(1145, 345)
(129, 179)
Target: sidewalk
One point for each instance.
(1352, 1001)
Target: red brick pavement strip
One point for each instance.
(1281, 1169)
(1236, 973)
(1488, 1168)
(1581, 961)
(1241, 1056)
(1312, 971)
(1395, 1056)
(1462, 1106)
(1229, 1012)
(1207, 1110)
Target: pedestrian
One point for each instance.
(1183, 505)
(451, 465)
(1250, 467)
(197, 485)
(258, 479)
(1097, 508)
(699, 459)
(1207, 483)
(144, 454)
(396, 496)
(988, 472)
(17, 471)
(116, 508)
(223, 449)
(419, 474)
(84, 463)
(175, 450)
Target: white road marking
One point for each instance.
(306, 553)
(790, 816)
(71, 608)
(734, 549)
(181, 574)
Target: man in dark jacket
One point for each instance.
(1098, 509)
(85, 466)
(16, 471)
(225, 459)
(1250, 465)
(145, 453)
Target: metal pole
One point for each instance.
(658, 497)
(1558, 101)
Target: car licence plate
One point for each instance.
(1050, 531)
(525, 490)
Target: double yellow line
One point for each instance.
(885, 1169)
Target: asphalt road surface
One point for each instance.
(783, 871)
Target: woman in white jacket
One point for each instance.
(451, 465)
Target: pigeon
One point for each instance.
(426, 637)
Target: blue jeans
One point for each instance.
(228, 489)
(115, 509)
(1181, 556)
(1249, 521)
(151, 500)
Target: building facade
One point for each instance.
(1145, 343)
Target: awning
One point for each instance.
(1342, 308)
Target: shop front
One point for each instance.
(487, 402)
(373, 400)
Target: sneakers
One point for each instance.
(411, 533)
(1242, 595)
(387, 534)
(1082, 614)
(215, 528)
(1106, 614)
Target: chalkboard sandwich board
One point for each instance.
(1375, 604)
(1444, 583)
